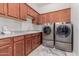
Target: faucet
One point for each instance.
(5, 30)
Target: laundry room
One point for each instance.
(39, 29)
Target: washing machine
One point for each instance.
(63, 36)
(48, 35)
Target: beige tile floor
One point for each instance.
(45, 51)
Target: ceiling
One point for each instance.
(41, 4)
(48, 7)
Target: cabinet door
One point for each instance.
(65, 15)
(47, 18)
(34, 42)
(6, 50)
(41, 19)
(3, 8)
(35, 20)
(28, 46)
(23, 11)
(30, 12)
(13, 10)
(19, 48)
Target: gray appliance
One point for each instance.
(48, 35)
(63, 36)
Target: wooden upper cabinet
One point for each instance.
(66, 14)
(57, 16)
(13, 10)
(42, 19)
(63, 15)
(29, 10)
(36, 20)
(3, 8)
(23, 11)
(32, 12)
(47, 18)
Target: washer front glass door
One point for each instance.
(63, 31)
(47, 30)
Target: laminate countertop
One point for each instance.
(17, 33)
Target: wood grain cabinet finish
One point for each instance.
(13, 10)
(19, 46)
(42, 19)
(23, 11)
(6, 47)
(6, 50)
(3, 8)
(28, 45)
(65, 15)
(36, 40)
(32, 41)
(57, 16)
(35, 20)
(30, 11)
(17, 11)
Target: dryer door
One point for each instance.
(47, 30)
(63, 31)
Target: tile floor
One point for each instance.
(45, 51)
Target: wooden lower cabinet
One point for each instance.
(28, 45)
(36, 41)
(6, 47)
(19, 45)
(6, 50)
(19, 48)
(31, 42)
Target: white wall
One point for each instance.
(75, 22)
(44, 8)
(11, 24)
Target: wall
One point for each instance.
(75, 22)
(11, 24)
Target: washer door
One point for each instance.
(63, 31)
(47, 30)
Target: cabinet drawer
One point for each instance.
(5, 41)
(29, 35)
(17, 38)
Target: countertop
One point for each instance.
(18, 33)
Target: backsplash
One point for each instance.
(12, 25)
(27, 25)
